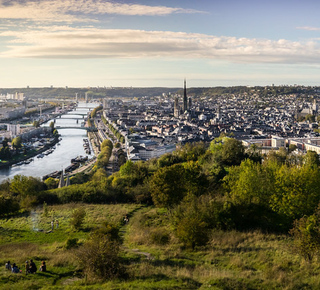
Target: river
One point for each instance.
(71, 146)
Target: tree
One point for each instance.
(167, 186)
(248, 183)
(232, 152)
(27, 189)
(306, 233)
(310, 118)
(292, 147)
(311, 159)
(296, 191)
(189, 221)
(51, 183)
(227, 151)
(106, 143)
(52, 126)
(36, 124)
(16, 143)
(254, 153)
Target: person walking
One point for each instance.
(52, 223)
(57, 224)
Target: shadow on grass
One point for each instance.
(186, 283)
(242, 249)
(6, 232)
(174, 263)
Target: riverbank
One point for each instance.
(30, 154)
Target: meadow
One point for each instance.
(152, 256)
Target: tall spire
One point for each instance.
(61, 181)
(185, 99)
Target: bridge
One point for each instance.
(75, 114)
(89, 129)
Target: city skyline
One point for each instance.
(147, 43)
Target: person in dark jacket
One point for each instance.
(33, 267)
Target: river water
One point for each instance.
(71, 146)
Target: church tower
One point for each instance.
(185, 99)
(176, 107)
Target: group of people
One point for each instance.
(30, 267)
(14, 268)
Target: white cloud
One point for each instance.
(309, 28)
(68, 43)
(73, 10)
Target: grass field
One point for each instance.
(153, 258)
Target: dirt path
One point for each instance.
(123, 231)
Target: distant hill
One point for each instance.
(92, 92)
(155, 91)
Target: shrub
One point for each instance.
(77, 218)
(99, 258)
(72, 243)
(306, 233)
(159, 237)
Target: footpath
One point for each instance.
(123, 233)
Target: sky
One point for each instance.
(147, 43)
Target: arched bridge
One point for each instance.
(89, 129)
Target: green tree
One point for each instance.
(52, 126)
(106, 143)
(167, 186)
(292, 147)
(189, 223)
(296, 191)
(17, 143)
(36, 124)
(311, 159)
(51, 183)
(254, 153)
(310, 118)
(249, 183)
(306, 234)
(233, 152)
(27, 189)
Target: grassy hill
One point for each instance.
(151, 256)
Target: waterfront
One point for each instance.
(71, 146)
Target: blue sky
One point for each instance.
(143, 43)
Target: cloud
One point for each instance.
(309, 28)
(75, 10)
(79, 43)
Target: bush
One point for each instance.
(77, 218)
(99, 258)
(159, 237)
(306, 233)
(72, 243)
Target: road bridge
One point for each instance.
(89, 129)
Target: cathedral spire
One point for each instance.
(185, 99)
